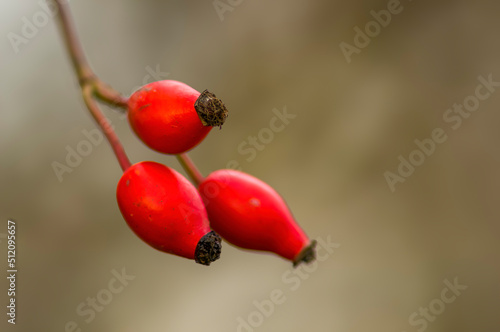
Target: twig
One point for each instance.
(90, 84)
(92, 87)
(85, 74)
(190, 168)
(106, 127)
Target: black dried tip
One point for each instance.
(208, 249)
(307, 255)
(210, 109)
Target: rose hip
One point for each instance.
(250, 214)
(165, 210)
(171, 117)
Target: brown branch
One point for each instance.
(90, 84)
(105, 127)
(92, 87)
(82, 68)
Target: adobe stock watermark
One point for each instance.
(223, 6)
(74, 155)
(454, 117)
(92, 138)
(428, 314)
(362, 38)
(12, 271)
(152, 75)
(31, 26)
(252, 145)
(89, 308)
(292, 280)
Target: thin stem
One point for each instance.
(75, 49)
(106, 128)
(190, 168)
(90, 84)
(106, 94)
(85, 74)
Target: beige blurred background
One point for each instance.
(352, 122)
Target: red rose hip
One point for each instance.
(171, 117)
(164, 209)
(250, 214)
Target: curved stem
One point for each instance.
(106, 128)
(90, 84)
(190, 168)
(75, 49)
(106, 94)
(85, 74)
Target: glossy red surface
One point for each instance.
(162, 114)
(250, 214)
(163, 208)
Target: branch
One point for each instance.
(90, 84)
(85, 74)
(105, 127)
(92, 87)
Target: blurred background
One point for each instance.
(396, 251)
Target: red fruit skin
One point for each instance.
(163, 208)
(250, 214)
(162, 114)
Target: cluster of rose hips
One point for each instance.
(169, 213)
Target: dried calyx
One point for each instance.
(307, 255)
(210, 109)
(208, 249)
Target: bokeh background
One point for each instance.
(352, 122)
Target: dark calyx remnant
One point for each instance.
(307, 255)
(210, 109)
(208, 249)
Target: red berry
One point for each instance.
(171, 117)
(165, 210)
(250, 214)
